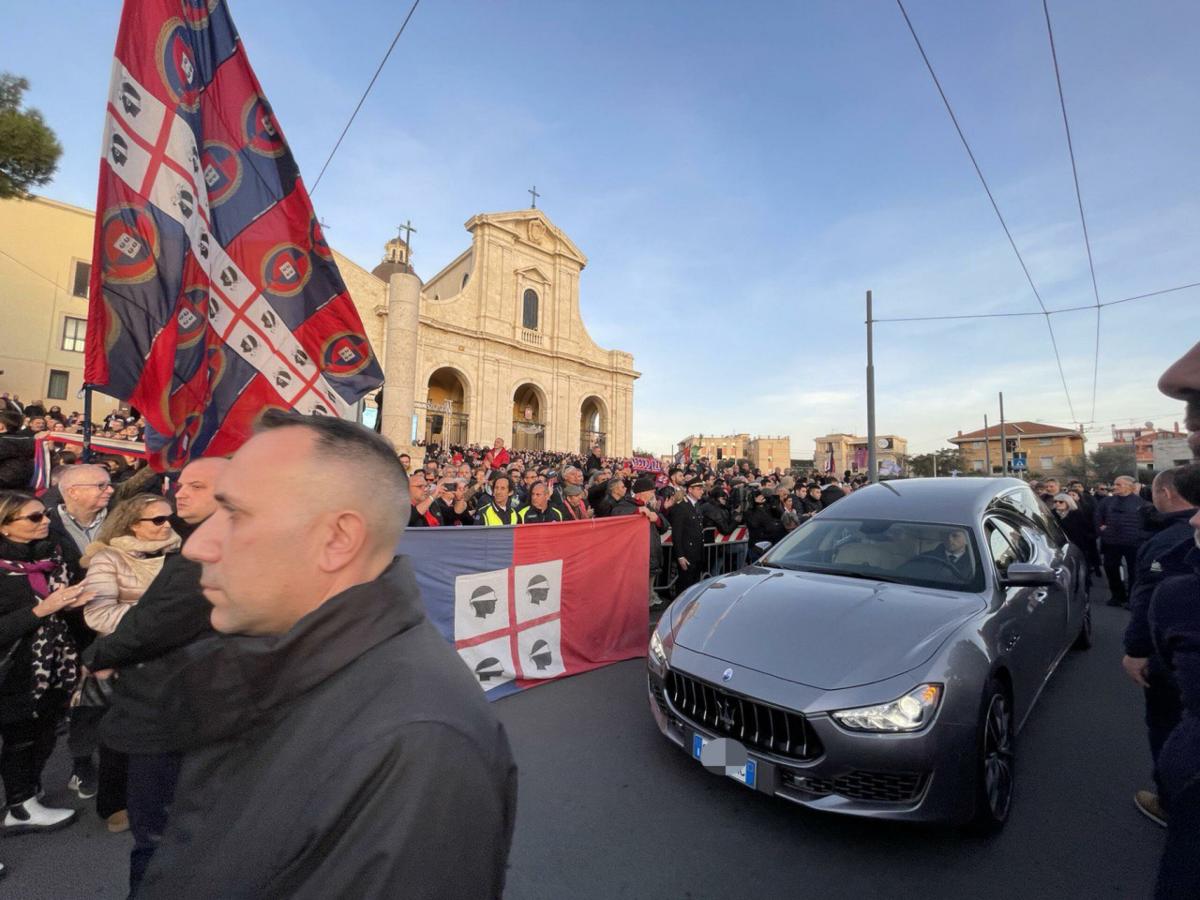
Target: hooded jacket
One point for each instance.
(353, 756)
(16, 461)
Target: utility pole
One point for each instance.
(871, 461)
(935, 463)
(1003, 441)
(987, 447)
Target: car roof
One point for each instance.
(947, 500)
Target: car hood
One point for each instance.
(824, 631)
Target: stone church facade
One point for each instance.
(502, 350)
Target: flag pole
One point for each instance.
(872, 464)
(87, 422)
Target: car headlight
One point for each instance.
(911, 712)
(658, 654)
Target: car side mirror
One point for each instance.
(1028, 575)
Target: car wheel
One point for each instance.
(1084, 639)
(995, 767)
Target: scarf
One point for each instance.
(55, 661)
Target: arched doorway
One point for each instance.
(529, 418)
(593, 425)
(446, 408)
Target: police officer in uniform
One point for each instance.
(687, 534)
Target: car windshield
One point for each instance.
(917, 553)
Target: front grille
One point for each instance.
(756, 725)
(657, 691)
(872, 787)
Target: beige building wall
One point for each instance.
(470, 324)
(44, 245)
(890, 450)
(1045, 455)
(764, 452)
(770, 453)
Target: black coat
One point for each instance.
(17, 627)
(1121, 521)
(763, 526)
(145, 648)
(354, 756)
(1166, 554)
(1078, 529)
(16, 462)
(830, 494)
(687, 531)
(717, 516)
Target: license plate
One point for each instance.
(745, 772)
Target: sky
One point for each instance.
(739, 175)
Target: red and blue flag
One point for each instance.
(214, 293)
(526, 604)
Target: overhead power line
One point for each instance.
(382, 63)
(1078, 199)
(995, 207)
(1051, 312)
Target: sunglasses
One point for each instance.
(35, 518)
(157, 520)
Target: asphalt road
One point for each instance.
(609, 809)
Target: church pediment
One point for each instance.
(533, 273)
(533, 228)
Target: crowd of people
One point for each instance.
(109, 622)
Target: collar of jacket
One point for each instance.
(231, 681)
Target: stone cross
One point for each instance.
(533, 194)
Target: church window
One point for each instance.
(529, 310)
(466, 278)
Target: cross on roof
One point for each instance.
(408, 232)
(533, 194)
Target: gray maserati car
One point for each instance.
(880, 659)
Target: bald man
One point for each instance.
(338, 747)
(86, 491)
(147, 647)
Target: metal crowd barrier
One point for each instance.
(723, 553)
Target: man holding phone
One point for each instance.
(421, 495)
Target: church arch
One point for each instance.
(531, 413)
(593, 424)
(447, 399)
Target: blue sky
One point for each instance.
(740, 174)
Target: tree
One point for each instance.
(29, 151)
(1104, 464)
(1109, 462)
(948, 461)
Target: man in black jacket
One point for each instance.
(1120, 524)
(146, 649)
(1176, 495)
(16, 453)
(336, 744)
(687, 535)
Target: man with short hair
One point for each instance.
(1176, 495)
(421, 495)
(538, 509)
(338, 746)
(1119, 521)
(500, 457)
(86, 492)
(406, 461)
(146, 648)
(450, 507)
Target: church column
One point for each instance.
(400, 373)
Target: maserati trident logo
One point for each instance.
(725, 716)
(727, 675)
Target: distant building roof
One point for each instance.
(1017, 429)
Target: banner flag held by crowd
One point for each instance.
(213, 295)
(526, 604)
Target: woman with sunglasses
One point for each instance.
(126, 556)
(39, 665)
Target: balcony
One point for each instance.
(532, 338)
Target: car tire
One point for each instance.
(995, 763)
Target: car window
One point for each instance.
(1006, 544)
(1028, 506)
(918, 553)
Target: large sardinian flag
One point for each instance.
(528, 603)
(214, 294)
